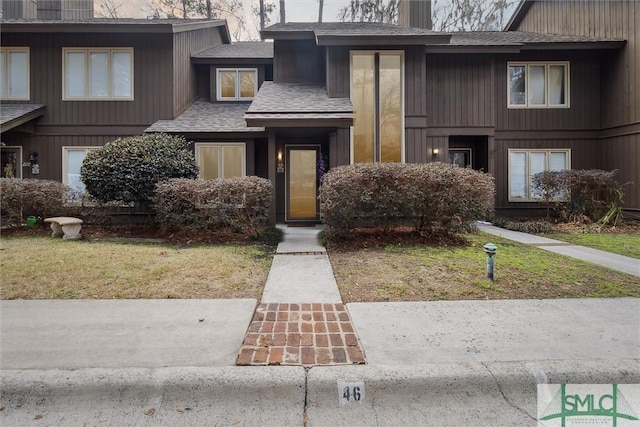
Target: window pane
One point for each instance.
(18, 75)
(233, 161)
(10, 166)
(363, 99)
(517, 175)
(208, 162)
(557, 85)
(121, 81)
(98, 74)
(536, 85)
(228, 84)
(390, 108)
(517, 85)
(558, 161)
(74, 162)
(247, 84)
(75, 74)
(537, 164)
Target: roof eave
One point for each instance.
(518, 15)
(605, 44)
(298, 122)
(381, 40)
(25, 118)
(231, 61)
(104, 27)
(473, 49)
(286, 35)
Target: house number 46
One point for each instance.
(350, 392)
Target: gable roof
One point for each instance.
(236, 53)
(282, 104)
(518, 15)
(112, 25)
(354, 33)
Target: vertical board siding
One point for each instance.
(338, 70)
(185, 81)
(152, 79)
(459, 90)
(298, 61)
(622, 153)
(584, 155)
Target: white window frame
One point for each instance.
(527, 152)
(65, 150)
(87, 51)
(219, 96)
(18, 171)
(221, 145)
(546, 64)
(378, 148)
(6, 83)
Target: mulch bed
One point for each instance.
(363, 238)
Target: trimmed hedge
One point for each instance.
(21, 198)
(425, 196)
(241, 204)
(128, 169)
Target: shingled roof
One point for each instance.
(14, 115)
(304, 104)
(236, 53)
(207, 117)
(517, 38)
(354, 33)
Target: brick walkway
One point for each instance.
(301, 334)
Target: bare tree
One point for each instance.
(448, 15)
(108, 8)
(263, 13)
(320, 7)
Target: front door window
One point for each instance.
(11, 162)
(460, 157)
(302, 183)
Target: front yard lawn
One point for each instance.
(422, 273)
(39, 267)
(622, 244)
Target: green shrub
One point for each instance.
(271, 236)
(20, 198)
(128, 169)
(425, 196)
(241, 204)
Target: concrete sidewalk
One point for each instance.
(606, 259)
(169, 362)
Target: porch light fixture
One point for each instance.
(435, 152)
(280, 164)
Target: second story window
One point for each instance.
(14, 73)
(538, 85)
(97, 74)
(236, 84)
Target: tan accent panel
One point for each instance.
(390, 108)
(363, 99)
(302, 184)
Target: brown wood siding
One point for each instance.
(460, 90)
(298, 61)
(152, 79)
(623, 153)
(340, 148)
(584, 96)
(185, 81)
(417, 148)
(338, 66)
(49, 149)
(584, 155)
(616, 19)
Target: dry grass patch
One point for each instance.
(421, 273)
(45, 268)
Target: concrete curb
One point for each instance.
(269, 396)
(446, 394)
(439, 394)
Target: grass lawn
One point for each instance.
(422, 273)
(46, 268)
(623, 244)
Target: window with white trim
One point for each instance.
(236, 84)
(14, 73)
(221, 160)
(538, 84)
(523, 164)
(97, 74)
(72, 158)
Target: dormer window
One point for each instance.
(236, 84)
